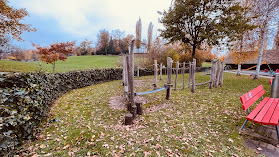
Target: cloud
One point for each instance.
(84, 18)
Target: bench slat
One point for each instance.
(270, 112)
(252, 100)
(247, 96)
(253, 114)
(262, 113)
(275, 117)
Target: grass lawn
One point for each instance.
(72, 63)
(206, 64)
(205, 123)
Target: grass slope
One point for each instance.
(205, 123)
(72, 63)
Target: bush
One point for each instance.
(26, 98)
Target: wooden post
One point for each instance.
(155, 74)
(211, 75)
(138, 74)
(127, 89)
(123, 72)
(139, 107)
(169, 66)
(221, 74)
(193, 75)
(128, 119)
(183, 73)
(131, 80)
(176, 74)
(161, 68)
(217, 74)
(190, 73)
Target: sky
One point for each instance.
(68, 20)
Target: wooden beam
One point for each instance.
(183, 73)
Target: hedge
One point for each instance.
(25, 99)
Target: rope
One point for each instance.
(153, 91)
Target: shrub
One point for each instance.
(26, 98)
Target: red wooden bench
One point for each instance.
(266, 112)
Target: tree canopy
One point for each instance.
(54, 52)
(10, 21)
(195, 22)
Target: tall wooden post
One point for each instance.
(183, 73)
(222, 74)
(125, 75)
(190, 74)
(193, 75)
(169, 66)
(138, 74)
(161, 69)
(131, 80)
(155, 74)
(217, 74)
(176, 74)
(211, 75)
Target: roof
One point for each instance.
(270, 56)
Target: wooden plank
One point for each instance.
(198, 84)
(183, 73)
(222, 75)
(169, 65)
(254, 113)
(190, 74)
(275, 117)
(261, 114)
(247, 96)
(216, 82)
(270, 112)
(176, 74)
(193, 75)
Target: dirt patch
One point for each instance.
(156, 108)
(141, 83)
(119, 102)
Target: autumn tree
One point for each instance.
(138, 34)
(276, 39)
(149, 36)
(54, 52)
(265, 10)
(103, 41)
(5, 44)
(126, 42)
(11, 21)
(196, 21)
(85, 47)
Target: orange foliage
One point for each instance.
(10, 21)
(55, 52)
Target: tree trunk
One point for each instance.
(194, 52)
(261, 54)
(238, 70)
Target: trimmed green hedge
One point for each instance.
(25, 99)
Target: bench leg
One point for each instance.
(277, 130)
(245, 122)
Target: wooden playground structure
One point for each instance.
(135, 107)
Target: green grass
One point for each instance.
(72, 63)
(206, 64)
(205, 123)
